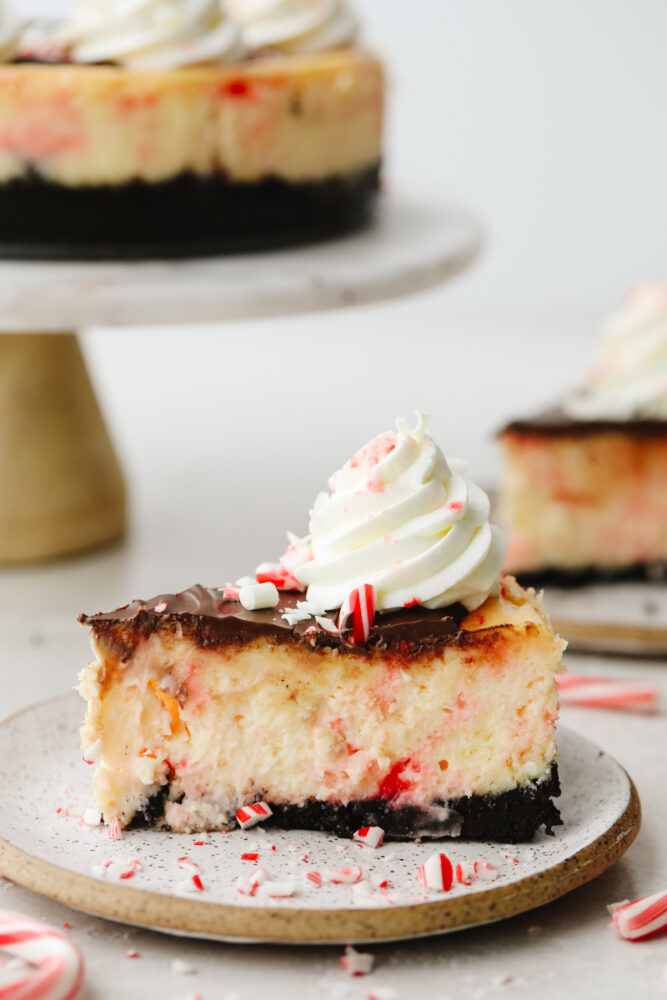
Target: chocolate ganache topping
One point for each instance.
(210, 620)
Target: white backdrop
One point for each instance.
(548, 120)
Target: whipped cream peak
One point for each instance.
(10, 31)
(629, 378)
(402, 517)
(294, 25)
(152, 34)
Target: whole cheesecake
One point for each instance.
(108, 148)
(410, 688)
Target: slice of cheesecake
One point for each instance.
(584, 487)
(411, 690)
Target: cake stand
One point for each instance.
(62, 486)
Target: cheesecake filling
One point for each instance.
(192, 731)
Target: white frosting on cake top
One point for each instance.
(152, 34)
(629, 378)
(294, 25)
(10, 30)
(406, 519)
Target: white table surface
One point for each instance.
(186, 528)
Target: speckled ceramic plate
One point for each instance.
(611, 617)
(139, 880)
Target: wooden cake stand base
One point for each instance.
(62, 489)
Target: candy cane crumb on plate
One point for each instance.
(51, 966)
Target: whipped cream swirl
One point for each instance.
(10, 31)
(404, 518)
(152, 34)
(294, 25)
(629, 378)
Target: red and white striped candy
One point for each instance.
(357, 963)
(343, 876)
(371, 836)
(465, 872)
(251, 815)
(113, 830)
(607, 692)
(436, 873)
(643, 918)
(277, 575)
(358, 612)
(485, 871)
(53, 968)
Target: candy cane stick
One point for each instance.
(358, 612)
(643, 918)
(52, 966)
(607, 692)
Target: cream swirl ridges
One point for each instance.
(404, 518)
(152, 34)
(629, 379)
(10, 31)
(294, 25)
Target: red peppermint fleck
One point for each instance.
(249, 856)
(455, 505)
(197, 882)
(411, 604)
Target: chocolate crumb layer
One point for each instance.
(188, 215)
(209, 620)
(511, 817)
(556, 422)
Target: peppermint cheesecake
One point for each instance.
(172, 128)
(380, 675)
(584, 488)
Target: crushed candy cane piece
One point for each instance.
(250, 856)
(277, 575)
(258, 596)
(642, 918)
(114, 831)
(607, 692)
(231, 592)
(92, 817)
(436, 873)
(358, 613)
(485, 871)
(357, 963)
(250, 815)
(343, 876)
(132, 954)
(464, 872)
(315, 878)
(276, 890)
(160, 608)
(371, 836)
(93, 753)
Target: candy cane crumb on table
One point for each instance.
(642, 918)
(51, 965)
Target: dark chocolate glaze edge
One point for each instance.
(555, 422)
(210, 620)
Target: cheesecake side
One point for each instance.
(443, 737)
(584, 498)
(282, 146)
